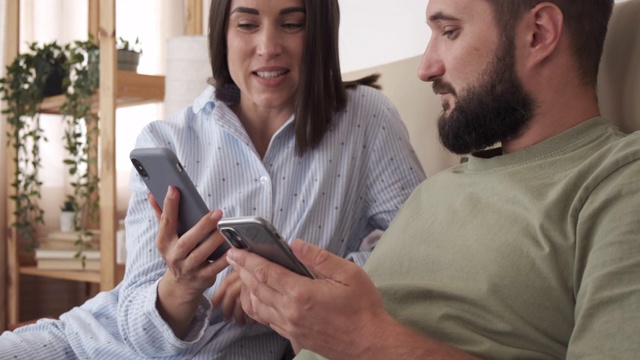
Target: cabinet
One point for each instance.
(117, 89)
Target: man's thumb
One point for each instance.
(322, 263)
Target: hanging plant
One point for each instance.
(80, 139)
(23, 90)
(45, 71)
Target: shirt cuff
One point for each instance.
(195, 330)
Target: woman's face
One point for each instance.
(265, 40)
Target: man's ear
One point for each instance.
(543, 29)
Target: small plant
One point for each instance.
(123, 44)
(67, 206)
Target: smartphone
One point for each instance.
(159, 167)
(259, 236)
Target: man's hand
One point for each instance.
(339, 315)
(189, 272)
(336, 315)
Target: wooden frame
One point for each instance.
(117, 89)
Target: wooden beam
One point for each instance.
(94, 19)
(9, 271)
(193, 17)
(108, 85)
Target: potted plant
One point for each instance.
(23, 90)
(51, 69)
(128, 54)
(67, 217)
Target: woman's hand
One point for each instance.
(227, 296)
(189, 272)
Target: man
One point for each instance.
(527, 251)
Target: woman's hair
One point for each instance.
(321, 91)
(586, 22)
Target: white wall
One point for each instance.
(374, 32)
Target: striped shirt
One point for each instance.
(333, 196)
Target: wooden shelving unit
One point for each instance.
(132, 89)
(117, 89)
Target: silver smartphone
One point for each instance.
(259, 236)
(159, 168)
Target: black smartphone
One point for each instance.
(159, 168)
(259, 236)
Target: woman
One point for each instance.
(279, 135)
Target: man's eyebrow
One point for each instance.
(439, 16)
(251, 11)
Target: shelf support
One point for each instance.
(9, 275)
(193, 18)
(107, 112)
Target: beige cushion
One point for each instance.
(619, 80)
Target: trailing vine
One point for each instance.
(80, 139)
(22, 91)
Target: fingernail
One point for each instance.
(170, 191)
(231, 256)
(216, 215)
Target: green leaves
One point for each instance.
(22, 89)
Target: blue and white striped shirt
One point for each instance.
(333, 196)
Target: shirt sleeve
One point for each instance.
(607, 270)
(393, 171)
(140, 323)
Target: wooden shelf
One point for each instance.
(74, 275)
(71, 275)
(132, 89)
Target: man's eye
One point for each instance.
(450, 33)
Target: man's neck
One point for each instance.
(556, 112)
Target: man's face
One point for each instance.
(473, 70)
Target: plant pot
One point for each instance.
(66, 221)
(128, 60)
(55, 74)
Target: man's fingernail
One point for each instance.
(170, 191)
(231, 255)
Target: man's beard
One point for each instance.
(495, 109)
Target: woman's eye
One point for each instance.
(247, 26)
(293, 26)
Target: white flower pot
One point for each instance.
(66, 221)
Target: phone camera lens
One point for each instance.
(140, 168)
(235, 239)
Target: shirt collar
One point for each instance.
(210, 95)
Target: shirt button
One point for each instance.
(264, 180)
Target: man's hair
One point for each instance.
(585, 21)
(320, 91)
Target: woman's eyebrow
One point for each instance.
(248, 10)
(294, 9)
(245, 10)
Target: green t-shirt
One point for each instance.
(529, 255)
